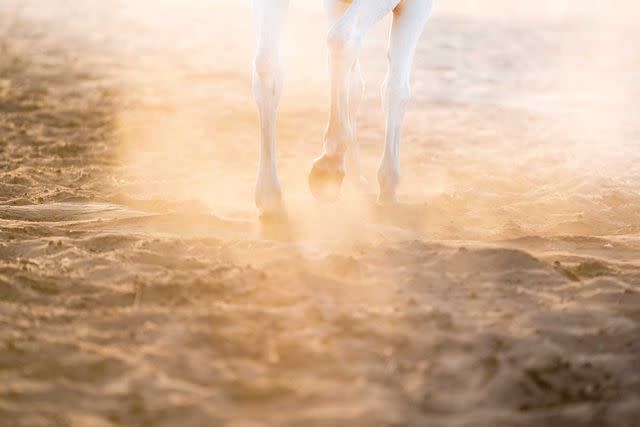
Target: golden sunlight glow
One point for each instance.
(139, 287)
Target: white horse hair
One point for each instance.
(349, 22)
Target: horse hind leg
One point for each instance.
(344, 42)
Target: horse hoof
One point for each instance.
(326, 177)
(269, 203)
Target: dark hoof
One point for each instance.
(326, 178)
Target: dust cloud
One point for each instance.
(138, 288)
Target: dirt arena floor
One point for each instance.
(139, 288)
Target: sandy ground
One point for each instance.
(138, 288)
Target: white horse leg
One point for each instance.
(335, 9)
(356, 93)
(408, 23)
(267, 87)
(344, 40)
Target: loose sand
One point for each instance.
(138, 288)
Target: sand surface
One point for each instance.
(138, 288)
